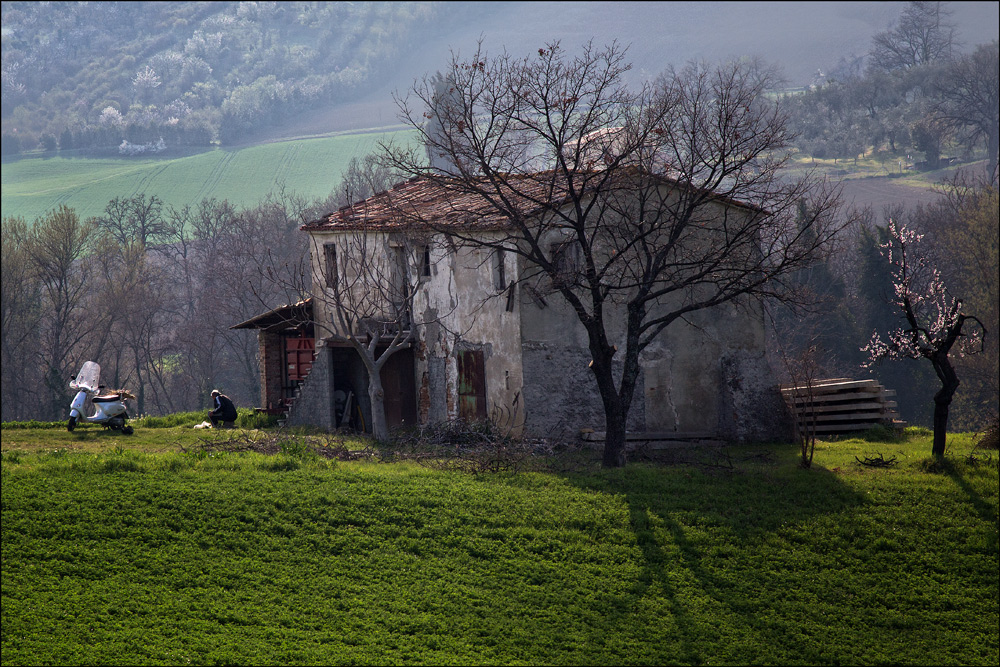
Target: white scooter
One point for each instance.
(109, 410)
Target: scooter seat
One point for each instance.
(106, 399)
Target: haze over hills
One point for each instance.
(280, 71)
(802, 38)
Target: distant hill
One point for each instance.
(244, 176)
(100, 75)
(91, 75)
(800, 37)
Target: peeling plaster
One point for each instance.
(708, 374)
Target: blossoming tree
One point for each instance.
(935, 326)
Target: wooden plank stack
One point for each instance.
(842, 405)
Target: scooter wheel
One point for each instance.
(71, 424)
(128, 430)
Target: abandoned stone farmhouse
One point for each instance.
(489, 344)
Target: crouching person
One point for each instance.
(224, 411)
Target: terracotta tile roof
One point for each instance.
(422, 200)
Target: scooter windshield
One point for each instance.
(88, 378)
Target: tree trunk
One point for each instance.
(380, 428)
(614, 440)
(941, 406)
(614, 414)
(942, 400)
(617, 401)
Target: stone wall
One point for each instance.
(751, 408)
(561, 395)
(314, 404)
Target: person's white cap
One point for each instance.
(216, 392)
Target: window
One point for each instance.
(330, 264)
(499, 270)
(425, 262)
(565, 261)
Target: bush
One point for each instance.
(990, 438)
(881, 433)
(476, 447)
(47, 141)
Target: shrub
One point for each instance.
(476, 447)
(990, 438)
(47, 141)
(250, 418)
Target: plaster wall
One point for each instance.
(457, 307)
(314, 406)
(465, 309)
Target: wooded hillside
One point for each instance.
(95, 75)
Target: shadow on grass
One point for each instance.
(700, 530)
(957, 472)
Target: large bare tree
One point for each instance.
(638, 207)
(923, 34)
(59, 247)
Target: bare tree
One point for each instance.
(923, 34)
(20, 314)
(638, 208)
(363, 296)
(970, 92)
(934, 323)
(59, 249)
(134, 220)
(240, 264)
(139, 333)
(804, 371)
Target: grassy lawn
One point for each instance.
(162, 549)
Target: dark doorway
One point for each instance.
(400, 389)
(471, 385)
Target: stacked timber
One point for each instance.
(840, 405)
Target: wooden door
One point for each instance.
(471, 385)
(399, 386)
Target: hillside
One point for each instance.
(242, 175)
(94, 75)
(197, 72)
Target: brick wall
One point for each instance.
(271, 360)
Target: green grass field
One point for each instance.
(310, 167)
(162, 552)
